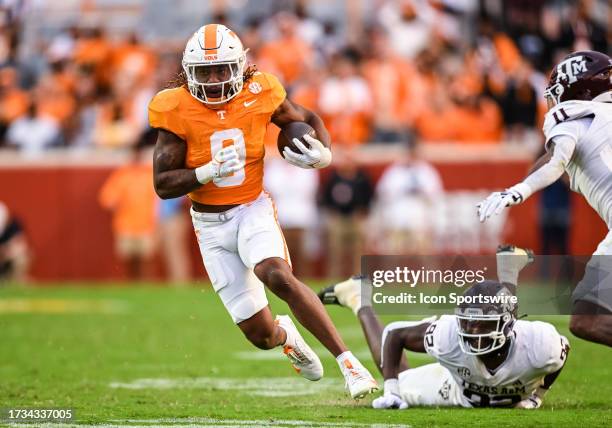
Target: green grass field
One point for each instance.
(150, 356)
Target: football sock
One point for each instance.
(507, 274)
(289, 340)
(510, 264)
(346, 355)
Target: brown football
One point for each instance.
(291, 131)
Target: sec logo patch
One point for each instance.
(255, 88)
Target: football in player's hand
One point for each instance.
(291, 131)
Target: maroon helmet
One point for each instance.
(583, 75)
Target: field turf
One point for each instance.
(150, 356)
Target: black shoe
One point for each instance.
(328, 296)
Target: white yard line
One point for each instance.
(260, 422)
(211, 422)
(263, 387)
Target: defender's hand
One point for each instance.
(317, 156)
(533, 402)
(497, 201)
(389, 401)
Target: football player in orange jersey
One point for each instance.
(210, 147)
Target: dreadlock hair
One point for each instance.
(181, 78)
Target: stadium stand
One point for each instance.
(464, 79)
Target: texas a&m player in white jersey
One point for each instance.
(485, 356)
(578, 130)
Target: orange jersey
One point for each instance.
(242, 122)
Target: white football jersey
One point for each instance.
(536, 349)
(589, 123)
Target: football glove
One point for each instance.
(317, 156)
(389, 401)
(532, 402)
(391, 398)
(497, 201)
(225, 162)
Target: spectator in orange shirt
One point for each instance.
(389, 78)
(133, 58)
(433, 122)
(113, 129)
(14, 102)
(288, 54)
(475, 118)
(458, 113)
(93, 50)
(128, 193)
(345, 101)
(54, 98)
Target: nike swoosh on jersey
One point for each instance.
(249, 103)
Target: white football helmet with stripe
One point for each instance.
(214, 61)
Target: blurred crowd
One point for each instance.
(437, 70)
(399, 72)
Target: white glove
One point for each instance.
(225, 162)
(391, 399)
(532, 402)
(317, 156)
(497, 201)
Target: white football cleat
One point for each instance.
(359, 381)
(302, 357)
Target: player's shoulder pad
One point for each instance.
(268, 81)
(165, 111)
(166, 100)
(268, 85)
(545, 347)
(441, 338)
(567, 111)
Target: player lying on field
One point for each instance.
(578, 130)
(210, 147)
(485, 356)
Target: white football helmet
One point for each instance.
(484, 327)
(214, 52)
